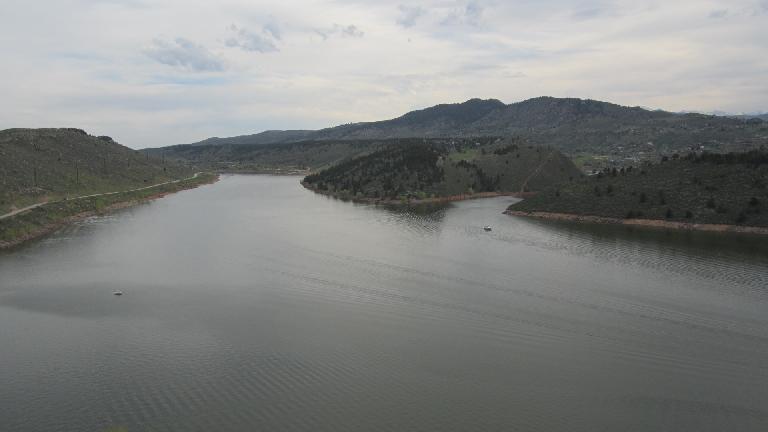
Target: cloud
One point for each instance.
(585, 14)
(341, 30)
(254, 42)
(274, 30)
(123, 3)
(185, 54)
(409, 15)
(470, 14)
(473, 11)
(147, 93)
(718, 14)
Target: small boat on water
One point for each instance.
(487, 228)
(118, 293)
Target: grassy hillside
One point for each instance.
(437, 168)
(704, 188)
(255, 157)
(40, 164)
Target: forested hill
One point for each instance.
(703, 188)
(575, 126)
(444, 168)
(258, 157)
(36, 164)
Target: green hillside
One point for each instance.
(439, 168)
(704, 188)
(50, 164)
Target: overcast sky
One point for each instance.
(152, 73)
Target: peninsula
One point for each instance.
(444, 170)
(706, 191)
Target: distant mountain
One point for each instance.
(440, 121)
(574, 126)
(742, 116)
(266, 137)
(52, 163)
(491, 117)
(440, 168)
(763, 117)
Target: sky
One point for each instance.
(154, 73)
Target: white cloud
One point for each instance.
(468, 14)
(185, 54)
(409, 15)
(719, 13)
(254, 42)
(350, 30)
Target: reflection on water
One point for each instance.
(253, 304)
(744, 246)
(420, 219)
(684, 252)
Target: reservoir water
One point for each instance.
(255, 305)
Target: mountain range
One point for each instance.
(574, 126)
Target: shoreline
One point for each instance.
(650, 223)
(274, 172)
(411, 201)
(54, 226)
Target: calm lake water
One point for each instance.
(253, 304)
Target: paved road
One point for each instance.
(34, 206)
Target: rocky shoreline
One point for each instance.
(49, 228)
(653, 223)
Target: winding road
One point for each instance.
(34, 206)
